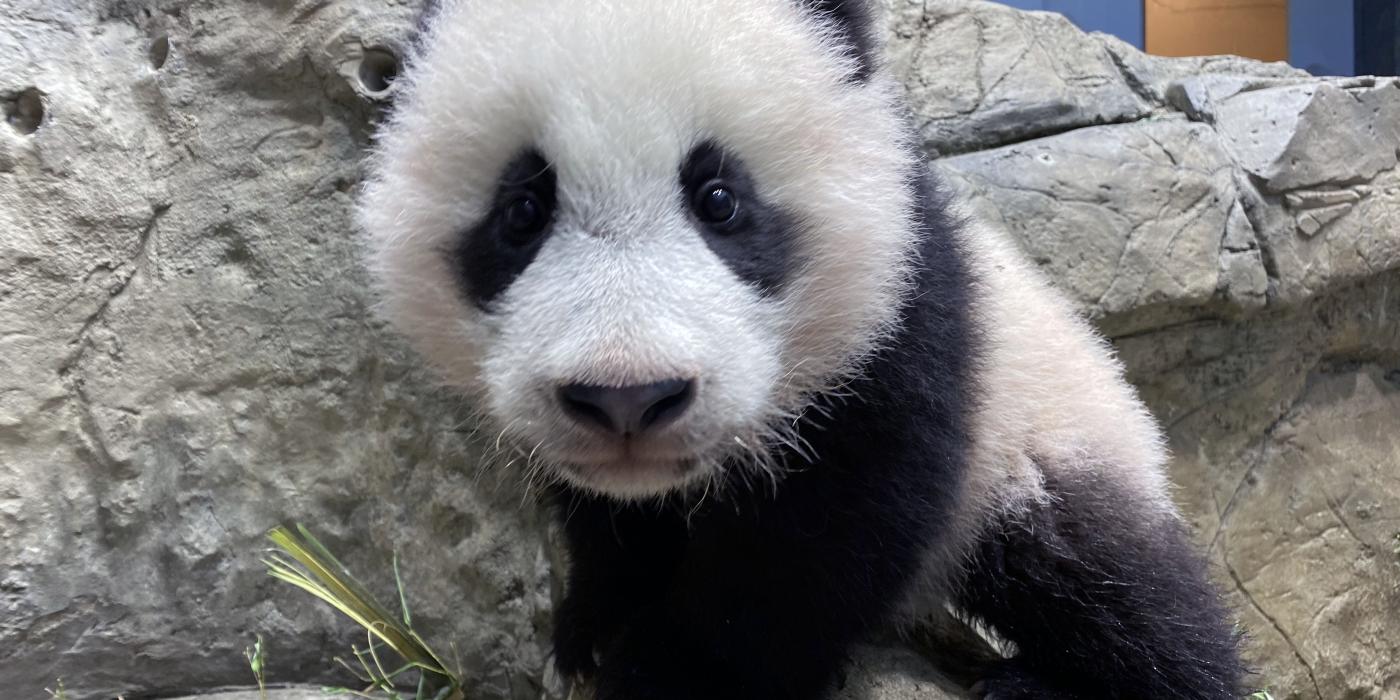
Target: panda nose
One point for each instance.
(627, 410)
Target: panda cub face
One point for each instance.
(643, 236)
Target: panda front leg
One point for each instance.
(770, 592)
(621, 558)
(756, 624)
(1104, 596)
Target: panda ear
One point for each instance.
(853, 20)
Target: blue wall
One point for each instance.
(1377, 37)
(1121, 18)
(1321, 36)
(1321, 33)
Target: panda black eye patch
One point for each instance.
(754, 238)
(491, 255)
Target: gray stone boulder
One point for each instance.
(188, 356)
(1142, 223)
(980, 74)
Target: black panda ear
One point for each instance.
(854, 20)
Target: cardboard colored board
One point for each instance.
(1253, 28)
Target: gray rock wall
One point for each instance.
(189, 358)
(187, 355)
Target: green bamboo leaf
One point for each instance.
(304, 562)
(333, 584)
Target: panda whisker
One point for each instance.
(699, 503)
(501, 436)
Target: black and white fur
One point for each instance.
(888, 405)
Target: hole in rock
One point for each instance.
(160, 52)
(25, 111)
(378, 69)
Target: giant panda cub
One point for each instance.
(688, 262)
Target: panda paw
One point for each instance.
(575, 636)
(652, 660)
(1010, 680)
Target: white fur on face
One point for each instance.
(622, 308)
(624, 291)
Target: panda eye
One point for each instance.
(524, 217)
(716, 203)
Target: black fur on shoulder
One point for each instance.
(762, 596)
(1103, 600)
(854, 19)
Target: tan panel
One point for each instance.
(1253, 28)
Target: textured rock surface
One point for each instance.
(1140, 222)
(885, 673)
(1283, 426)
(187, 357)
(307, 693)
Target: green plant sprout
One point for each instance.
(257, 660)
(301, 560)
(60, 694)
